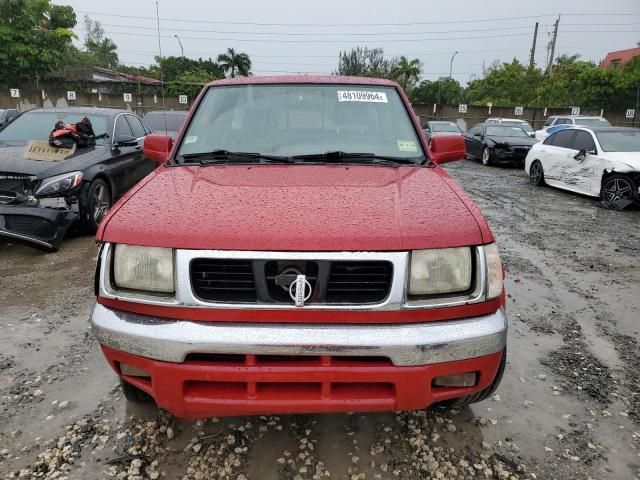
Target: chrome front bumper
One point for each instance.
(405, 345)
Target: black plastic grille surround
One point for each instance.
(261, 281)
(31, 226)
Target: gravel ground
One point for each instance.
(568, 407)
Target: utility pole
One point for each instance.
(553, 45)
(533, 48)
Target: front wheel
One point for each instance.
(98, 203)
(618, 187)
(536, 174)
(486, 156)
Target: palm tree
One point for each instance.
(232, 62)
(407, 72)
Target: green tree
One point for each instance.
(443, 90)
(35, 37)
(365, 62)
(232, 62)
(190, 83)
(174, 67)
(407, 72)
(100, 48)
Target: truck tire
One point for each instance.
(482, 394)
(134, 394)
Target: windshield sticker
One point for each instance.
(407, 146)
(191, 139)
(361, 96)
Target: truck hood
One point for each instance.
(294, 208)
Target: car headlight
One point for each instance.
(494, 271)
(143, 268)
(59, 183)
(445, 270)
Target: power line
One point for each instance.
(217, 22)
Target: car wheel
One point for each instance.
(98, 203)
(536, 174)
(134, 394)
(482, 394)
(618, 187)
(486, 156)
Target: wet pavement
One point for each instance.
(568, 406)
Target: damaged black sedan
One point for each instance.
(60, 167)
(498, 144)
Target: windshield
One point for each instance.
(38, 126)
(523, 125)
(504, 131)
(299, 119)
(156, 121)
(445, 127)
(620, 141)
(592, 122)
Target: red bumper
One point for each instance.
(256, 385)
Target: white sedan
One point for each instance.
(600, 162)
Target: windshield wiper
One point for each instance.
(340, 156)
(225, 156)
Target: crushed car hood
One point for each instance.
(302, 207)
(12, 159)
(630, 159)
(509, 141)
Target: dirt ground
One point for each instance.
(568, 407)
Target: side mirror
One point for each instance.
(447, 148)
(157, 147)
(125, 141)
(580, 155)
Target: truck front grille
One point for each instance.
(223, 280)
(267, 281)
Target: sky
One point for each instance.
(304, 36)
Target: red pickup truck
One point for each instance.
(300, 250)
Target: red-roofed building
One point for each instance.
(619, 58)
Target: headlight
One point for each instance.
(143, 268)
(494, 271)
(59, 183)
(440, 271)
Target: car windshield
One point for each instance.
(620, 141)
(445, 127)
(523, 125)
(38, 126)
(156, 121)
(303, 119)
(592, 122)
(504, 131)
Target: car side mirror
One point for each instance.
(157, 147)
(125, 141)
(580, 155)
(447, 148)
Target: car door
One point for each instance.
(553, 155)
(142, 166)
(579, 171)
(124, 158)
(473, 141)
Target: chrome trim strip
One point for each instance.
(396, 300)
(405, 345)
(26, 238)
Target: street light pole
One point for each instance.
(451, 63)
(181, 49)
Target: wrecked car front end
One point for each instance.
(38, 212)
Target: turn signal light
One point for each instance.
(130, 371)
(462, 380)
